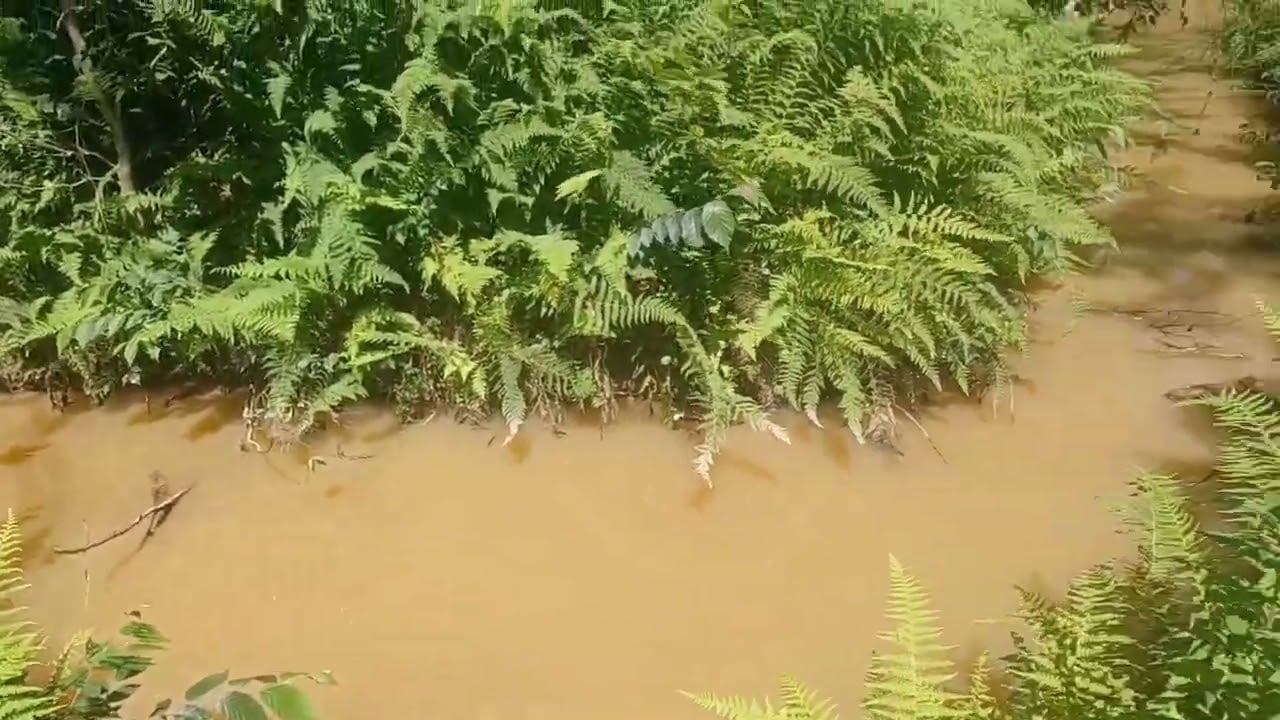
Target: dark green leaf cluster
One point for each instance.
(522, 205)
(1145, 12)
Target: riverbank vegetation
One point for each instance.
(1189, 630)
(1251, 43)
(518, 207)
(522, 207)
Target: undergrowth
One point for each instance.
(1251, 43)
(523, 207)
(1140, 12)
(1190, 630)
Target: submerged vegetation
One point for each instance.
(520, 206)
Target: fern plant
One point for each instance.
(523, 206)
(20, 644)
(90, 680)
(1251, 42)
(1190, 629)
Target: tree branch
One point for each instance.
(110, 111)
(159, 511)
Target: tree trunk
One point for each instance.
(110, 111)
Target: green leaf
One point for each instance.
(364, 164)
(1237, 625)
(288, 702)
(576, 184)
(556, 252)
(658, 231)
(750, 193)
(674, 228)
(238, 705)
(718, 222)
(320, 121)
(690, 228)
(204, 685)
(277, 87)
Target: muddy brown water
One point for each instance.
(588, 576)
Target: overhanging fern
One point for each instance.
(1187, 630)
(518, 207)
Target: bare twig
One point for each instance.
(1202, 352)
(250, 414)
(159, 493)
(88, 538)
(156, 513)
(1212, 474)
(926, 434)
(1199, 391)
(358, 456)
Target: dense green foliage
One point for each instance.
(1251, 43)
(90, 680)
(1140, 12)
(518, 206)
(1190, 631)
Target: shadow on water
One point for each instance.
(445, 574)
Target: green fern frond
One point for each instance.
(907, 682)
(1168, 534)
(798, 702)
(20, 644)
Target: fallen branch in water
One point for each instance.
(1198, 348)
(1154, 314)
(1212, 474)
(1176, 332)
(352, 456)
(1199, 391)
(1202, 352)
(157, 513)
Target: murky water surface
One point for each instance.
(592, 576)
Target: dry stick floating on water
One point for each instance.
(1187, 393)
(352, 456)
(156, 513)
(88, 538)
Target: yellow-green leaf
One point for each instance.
(576, 184)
